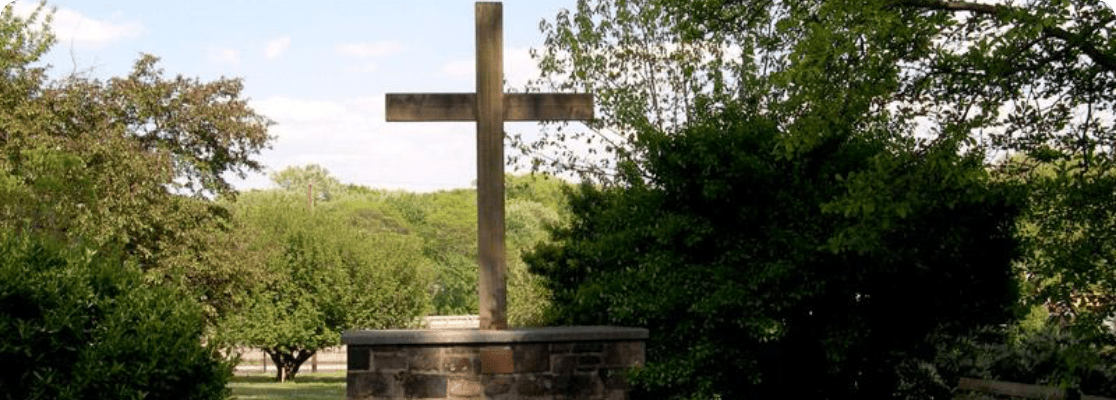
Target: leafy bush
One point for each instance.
(75, 324)
(1051, 356)
(763, 272)
(1030, 352)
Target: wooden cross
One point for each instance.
(489, 107)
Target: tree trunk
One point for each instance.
(288, 363)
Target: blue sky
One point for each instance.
(319, 69)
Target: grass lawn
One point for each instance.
(308, 386)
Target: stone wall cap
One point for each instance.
(519, 335)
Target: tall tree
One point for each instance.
(106, 226)
(127, 162)
(326, 275)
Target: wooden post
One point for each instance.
(489, 107)
(490, 166)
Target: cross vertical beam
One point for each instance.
(490, 166)
(489, 107)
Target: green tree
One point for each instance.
(546, 190)
(447, 223)
(528, 298)
(1007, 79)
(126, 163)
(306, 179)
(1069, 230)
(447, 220)
(325, 275)
(535, 203)
(1037, 71)
(757, 271)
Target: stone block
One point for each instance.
(424, 359)
(588, 363)
(497, 361)
(558, 348)
(382, 362)
(564, 364)
(624, 354)
(534, 386)
(577, 386)
(387, 349)
(357, 386)
(527, 364)
(531, 358)
(463, 350)
(359, 358)
(364, 385)
(497, 385)
(461, 363)
(464, 388)
(588, 347)
(419, 386)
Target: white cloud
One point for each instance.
(70, 26)
(229, 57)
(351, 139)
(367, 67)
(368, 50)
(291, 110)
(276, 47)
(519, 68)
(460, 68)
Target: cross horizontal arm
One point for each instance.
(403, 107)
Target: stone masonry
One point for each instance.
(541, 363)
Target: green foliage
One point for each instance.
(446, 221)
(757, 271)
(546, 190)
(527, 223)
(535, 203)
(1009, 77)
(127, 164)
(1047, 356)
(326, 274)
(1070, 230)
(312, 177)
(642, 76)
(1007, 80)
(79, 324)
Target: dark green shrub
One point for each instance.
(1047, 355)
(77, 324)
(766, 273)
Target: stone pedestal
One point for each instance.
(578, 362)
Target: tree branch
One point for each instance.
(942, 5)
(1101, 58)
(1105, 60)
